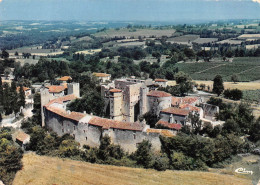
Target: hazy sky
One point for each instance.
(147, 10)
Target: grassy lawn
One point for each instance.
(50, 170)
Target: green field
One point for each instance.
(247, 69)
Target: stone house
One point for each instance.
(175, 115)
(102, 77)
(161, 82)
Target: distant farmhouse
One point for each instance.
(127, 100)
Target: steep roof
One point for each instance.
(101, 74)
(158, 94)
(176, 111)
(174, 126)
(65, 78)
(109, 123)
(160, 80)
(56, 88)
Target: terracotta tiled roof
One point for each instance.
(65, 78)
(189, 107)
(158, 94)
(176, 111)
(61, 99)
(176, 101)
(21, 136)
(109, 123)
(189, 100)
(115, 90)
(163, 132)
(24, 88)
(160, 80)
(73, 115)
(174, 126)
(101, 74)
(56, 88)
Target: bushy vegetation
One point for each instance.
(10, 156)
(233, 94)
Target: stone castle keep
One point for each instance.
(126, 100)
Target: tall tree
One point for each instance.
(21, 101)
(218, 86)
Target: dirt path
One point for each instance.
(211, 68)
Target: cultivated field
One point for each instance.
(228, 85)
(48, 170)
(139, 32)
(247, 69)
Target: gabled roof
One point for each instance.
(158, 94)
(176, 111)
(65, 78)
(160, 80)
(101, 74)
(109, 123)
(56, 88)
(174, 126)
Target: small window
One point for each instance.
(74, 127)
(73, 136)
(62, 130)
(134, 136)
(84, 131)
(86, 138)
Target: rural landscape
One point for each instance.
(133, 99)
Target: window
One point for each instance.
(74, 127)
(134, 136)
(73, 136)
(62, 130)
(84, 131)
(86, 138)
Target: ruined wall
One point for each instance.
(176, 118)
(156, 104)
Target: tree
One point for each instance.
(143, 154)
(5, 54)
(218, 86)
(21, 101)
(234, 78)
(184, 83)
(196, 123)
(255, 131)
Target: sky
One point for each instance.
(129, 10)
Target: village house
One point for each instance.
(175, 115)
(64, 79)
(27, 91)
(22, 139)
(161, 82)
(102, 77)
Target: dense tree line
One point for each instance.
(43, 70)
